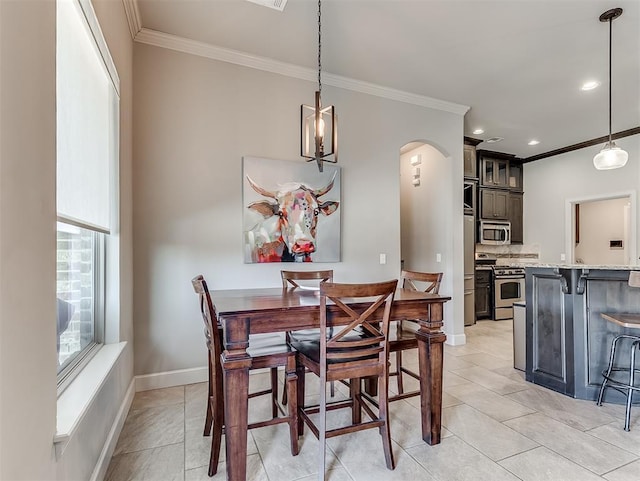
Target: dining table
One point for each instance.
(242, 312)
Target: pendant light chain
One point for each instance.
(610, 86)
(319, 46)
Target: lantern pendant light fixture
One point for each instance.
(611, 156)
(318, 125)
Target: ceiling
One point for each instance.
(517, 64)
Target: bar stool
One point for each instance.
(629, 321)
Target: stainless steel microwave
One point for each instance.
(495, 233)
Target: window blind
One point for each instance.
(87, 104)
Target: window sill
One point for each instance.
(74, 402)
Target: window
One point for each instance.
(80, 302)
(87, 114)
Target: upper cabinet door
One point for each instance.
(494, 204)
(470, 169)
(515, 176)
(495, 172)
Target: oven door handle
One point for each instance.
(517, 276)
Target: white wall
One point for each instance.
(28, 243)
(601, 222)
(549, 183)
(27, 239)
(426, 228)
(194, 120)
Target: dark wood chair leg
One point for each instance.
(284, 393)
(322, 428)
(217, 405)
(399, 371)
(356, 408)
(300, 372)
(209, 419)
(291, 385)
(274, 392)
(384, 415)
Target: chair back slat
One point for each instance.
(365, 337)
(210, 319)
(429, 281)
(289, 278)
(345, 355)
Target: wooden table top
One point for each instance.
(623, 319)
(238, 301)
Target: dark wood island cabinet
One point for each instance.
(567, 339)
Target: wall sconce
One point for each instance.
(415, 170)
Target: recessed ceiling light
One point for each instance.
(493, 140)
(478, 132)
(590, 85)
(534, 142)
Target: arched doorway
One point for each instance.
(431, 224)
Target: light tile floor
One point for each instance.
(496, 426)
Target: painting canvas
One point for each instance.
(291, 211)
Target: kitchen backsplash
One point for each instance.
(508, 254)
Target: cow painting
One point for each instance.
(287, 231)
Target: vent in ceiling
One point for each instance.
(493, 140)
(275, 4)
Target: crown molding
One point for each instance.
(181, 44)
(133, 17)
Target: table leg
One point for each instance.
(236, 363)
(430, 357)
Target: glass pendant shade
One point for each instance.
(610, 157)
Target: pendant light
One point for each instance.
(611, 156)
(318, 125)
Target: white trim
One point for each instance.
(181, 44)
(569, 232)
(94, 26)
(133, 17)
(456, 339)
(112, 438)
(179, 377)
(73, 404)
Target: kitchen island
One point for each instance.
(567, 339)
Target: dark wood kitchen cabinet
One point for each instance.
(470, 161)
(483, 293)
(499, 170)
(470, 158)
(495, 172)
(494, 204)
(515, 210)
(515, 175)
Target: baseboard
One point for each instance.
(456, 339)
(100, 470)
(171, 378)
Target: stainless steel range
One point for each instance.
(508, 287)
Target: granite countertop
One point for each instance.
(578, 266)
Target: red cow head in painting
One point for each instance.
(288, 231)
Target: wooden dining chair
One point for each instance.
(358, 351)
(403, 338)
(265, 352)
(292, 280)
